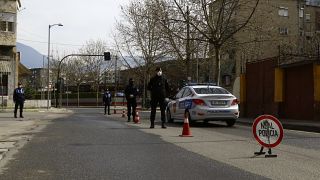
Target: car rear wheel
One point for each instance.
(230, 122)
(169, 118)
(189, 118)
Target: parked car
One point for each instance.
(120, 94)
(203, 103)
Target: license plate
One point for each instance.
(218, 103)
(218, 111)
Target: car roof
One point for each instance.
(204, 86)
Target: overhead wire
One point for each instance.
(45, 42)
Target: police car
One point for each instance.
(203, 103)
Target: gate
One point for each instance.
(260, 88)
(299, 92)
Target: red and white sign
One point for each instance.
(267, 130)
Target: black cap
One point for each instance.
(19, 84)
(158, 69)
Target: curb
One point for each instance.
(286, 125)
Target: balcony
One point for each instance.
(5, 58)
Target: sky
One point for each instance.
(82, 20)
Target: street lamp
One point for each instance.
(48, 91)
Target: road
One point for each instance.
(89, 145)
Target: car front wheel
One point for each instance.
(169, 118)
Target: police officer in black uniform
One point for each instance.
(18, 99)
(131, 93)
(159, 88)
(107, 101)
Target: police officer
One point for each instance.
(18, 99)
(131, 93)
(159, 88)
(107, 101)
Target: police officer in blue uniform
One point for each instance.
(107, 101)
(131, 93)
(159, 88)
(18, 99)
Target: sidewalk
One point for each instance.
(302, 125)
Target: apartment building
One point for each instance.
(277, 59)
(9, 59)
(38, 79)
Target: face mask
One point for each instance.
(159, 73)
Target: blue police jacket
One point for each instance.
(18, 95)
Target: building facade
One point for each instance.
(38, 79)
(277, 60)
(9, 58)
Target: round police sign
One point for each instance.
(267, 130)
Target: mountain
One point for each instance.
(30, 57)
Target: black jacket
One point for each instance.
(18, 95)
(131, 92)
(159, 87)
(107, 98)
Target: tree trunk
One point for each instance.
(217, 65)
(78, 99)
(97, 95)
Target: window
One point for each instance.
(187, 92)
(10, 27)
(7, 26)
(313, 2)
(211, 91)
(3, 26)
(180, 93)
(7, 21)
(283, 11)
(309, 35)
(4, 84)
(283, 31)
(308, 17)
(301, 13)
(317, 20)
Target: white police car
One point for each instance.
(203, 103)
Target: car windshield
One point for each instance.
(210, 90)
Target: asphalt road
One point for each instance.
(88, 145)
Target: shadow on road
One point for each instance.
(201, 124)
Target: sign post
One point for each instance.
(268, 131)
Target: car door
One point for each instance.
(185, 96)
(175, 104)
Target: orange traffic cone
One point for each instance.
(123, 113)
(137, 118)
(186, 128)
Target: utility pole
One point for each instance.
(115, 81)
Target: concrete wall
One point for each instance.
(31, 104)
(9, 39)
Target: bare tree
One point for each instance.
(140, 38)
(183, 39)
(94, 65)
(217, 21)
(76, 72)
